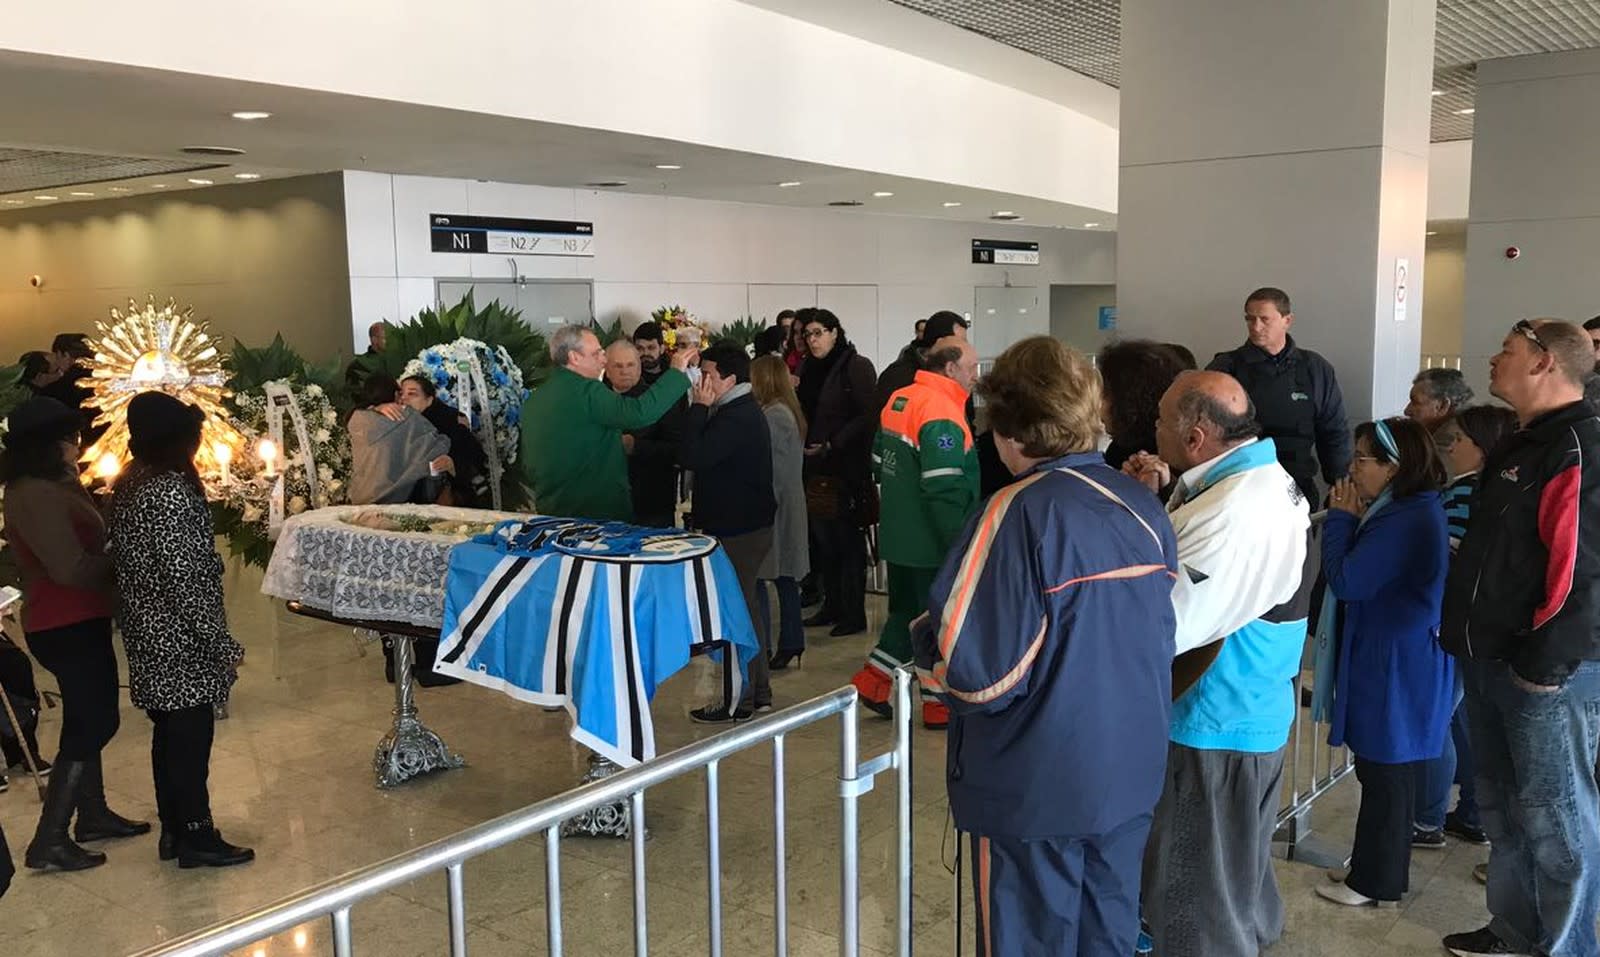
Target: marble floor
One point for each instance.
(292, 777)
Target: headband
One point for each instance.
(1386, 439)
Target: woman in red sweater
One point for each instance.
(67, 588)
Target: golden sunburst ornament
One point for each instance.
(156, 348)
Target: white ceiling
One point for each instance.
(1085, 36)
(125, 114)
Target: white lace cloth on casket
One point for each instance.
(369, 574)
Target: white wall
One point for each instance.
(716, 259)
(1075, 315)
(1534, 187)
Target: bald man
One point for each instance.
(1242, 525)
(653, 450)
(928, 469)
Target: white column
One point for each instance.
(1278, 144)
(1535, 188)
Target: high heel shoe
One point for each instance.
(780, 661)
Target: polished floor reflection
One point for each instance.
(292, 777)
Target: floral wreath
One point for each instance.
(475, 379)
(243, 511)
(676, 320)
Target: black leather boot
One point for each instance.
(201, 845)
(51, 846)
(96, 821)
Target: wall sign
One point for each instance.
(504, 236)
(1402, 288)
(1004, 252)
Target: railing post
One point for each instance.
(714, 856)
(849, 876)
(780, 874)
(641, 911)
(458, 911)
(903, 679)
(552, 887)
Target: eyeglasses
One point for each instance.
(816, 333)
(1526, 329)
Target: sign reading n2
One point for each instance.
(504, 236)
(1004, 252)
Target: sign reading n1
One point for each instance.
(1004, 252)
(510, 237)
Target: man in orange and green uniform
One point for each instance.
(928, 470)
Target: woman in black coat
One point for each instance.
(837, 394)
(466, 451)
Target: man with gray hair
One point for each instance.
(572, 454)
(1242, 525)
(1436, 395)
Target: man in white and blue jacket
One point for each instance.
(1242, 528)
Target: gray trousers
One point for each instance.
(1208, 888)
(746, 553)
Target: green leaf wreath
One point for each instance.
(493, 324)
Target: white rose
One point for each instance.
(252, 513)
(321, 436)
(330, 417)
(325, 473)
(297, 505)
(314, 390)
(334, 485)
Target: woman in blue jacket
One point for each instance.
(1385, 551)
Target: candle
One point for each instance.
(107, 466)
(268, 451)
(224, 453)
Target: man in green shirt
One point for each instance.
(572, 454)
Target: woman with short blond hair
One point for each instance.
(1053, 626)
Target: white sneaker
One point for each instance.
(1342, 894)
(1338, 874)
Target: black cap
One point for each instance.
(41, 419)
(940, 324)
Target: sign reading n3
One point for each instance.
(505, 236)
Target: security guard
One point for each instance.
(1295, 391)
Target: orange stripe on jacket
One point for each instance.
(1132, 571)
(954, 615)
(1008, 680)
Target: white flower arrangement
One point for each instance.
(248, 492)
(446, 365)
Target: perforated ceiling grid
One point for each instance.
(22, 170)
(1085, 36)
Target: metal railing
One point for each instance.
(335, 898)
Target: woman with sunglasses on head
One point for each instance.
(1464, 438)
(1385, 552)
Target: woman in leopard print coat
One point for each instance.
(181, 658)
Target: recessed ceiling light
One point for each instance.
(158, 185)
(251, 115)
(1438, 93)
(120, 189)
(668, 166)
(1004, 212)
(1090, 225)
(15, 202)
(607, 184)
(883, 194)
(1466, 112)
(80, 194)
(951, 205)
(201, 182)
(1005, 215)
(45, 198)
(845, 202)
(788, 183)
(212, 151)
(246, 175)
(1432, 232)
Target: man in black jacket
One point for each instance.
(653, 450)
(1520, 612)
(903, 370)
(1296, 395)
(728, 448)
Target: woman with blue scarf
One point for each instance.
(1383, 682)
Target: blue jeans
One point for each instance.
(791, 632)
(1535, 758)
(1453, 766)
